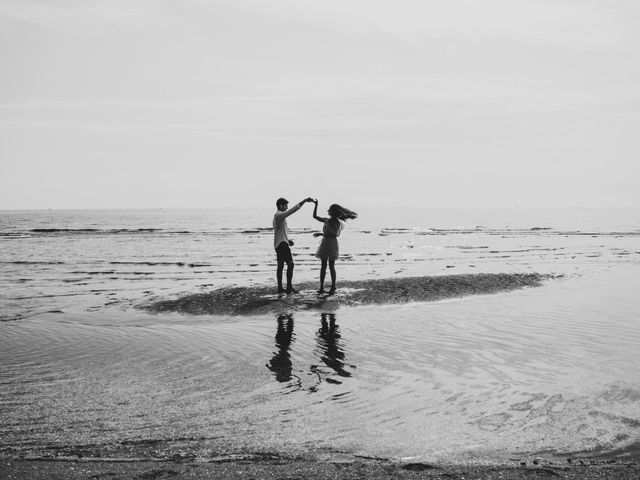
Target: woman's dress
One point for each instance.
(328, 248)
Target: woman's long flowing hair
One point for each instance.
(342, 213)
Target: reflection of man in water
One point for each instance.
(281, 364)
(328, 339)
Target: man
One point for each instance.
(281, 241)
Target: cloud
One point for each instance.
(86, 17)
(594, 24)
(575, 24)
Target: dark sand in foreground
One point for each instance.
(584, 469)
(262, 299)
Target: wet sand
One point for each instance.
(278, 468)
(263, 299)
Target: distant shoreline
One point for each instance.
(257, 300)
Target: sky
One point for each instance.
(234, 103)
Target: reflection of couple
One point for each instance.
(327, 339)
(281, 364)
(328, 250)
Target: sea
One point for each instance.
(86, 371)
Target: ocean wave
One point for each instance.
(27, 262)
(154, 264)
(92, 230)
(534, 231)
(138, 231)
(265, 231)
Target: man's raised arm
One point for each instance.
(295, 208)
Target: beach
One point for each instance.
(494, 347)
(309, 469)
(319, 240)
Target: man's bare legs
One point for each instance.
(289, 276)
(290, 288)
(279, 275)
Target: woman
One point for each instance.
(328, 249)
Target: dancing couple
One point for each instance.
(328, 250)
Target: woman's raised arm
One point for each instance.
(315, 212)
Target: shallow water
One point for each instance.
(553, 368)
(79, 261)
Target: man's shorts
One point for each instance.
(284, 253)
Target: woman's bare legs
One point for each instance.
(332, 271)
(323, 273)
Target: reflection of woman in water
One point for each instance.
(329, 342)
(281, 364)
(328, 250)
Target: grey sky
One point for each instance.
(193, 103)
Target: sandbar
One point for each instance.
(256, 300)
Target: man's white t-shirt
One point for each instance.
(280, 229)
